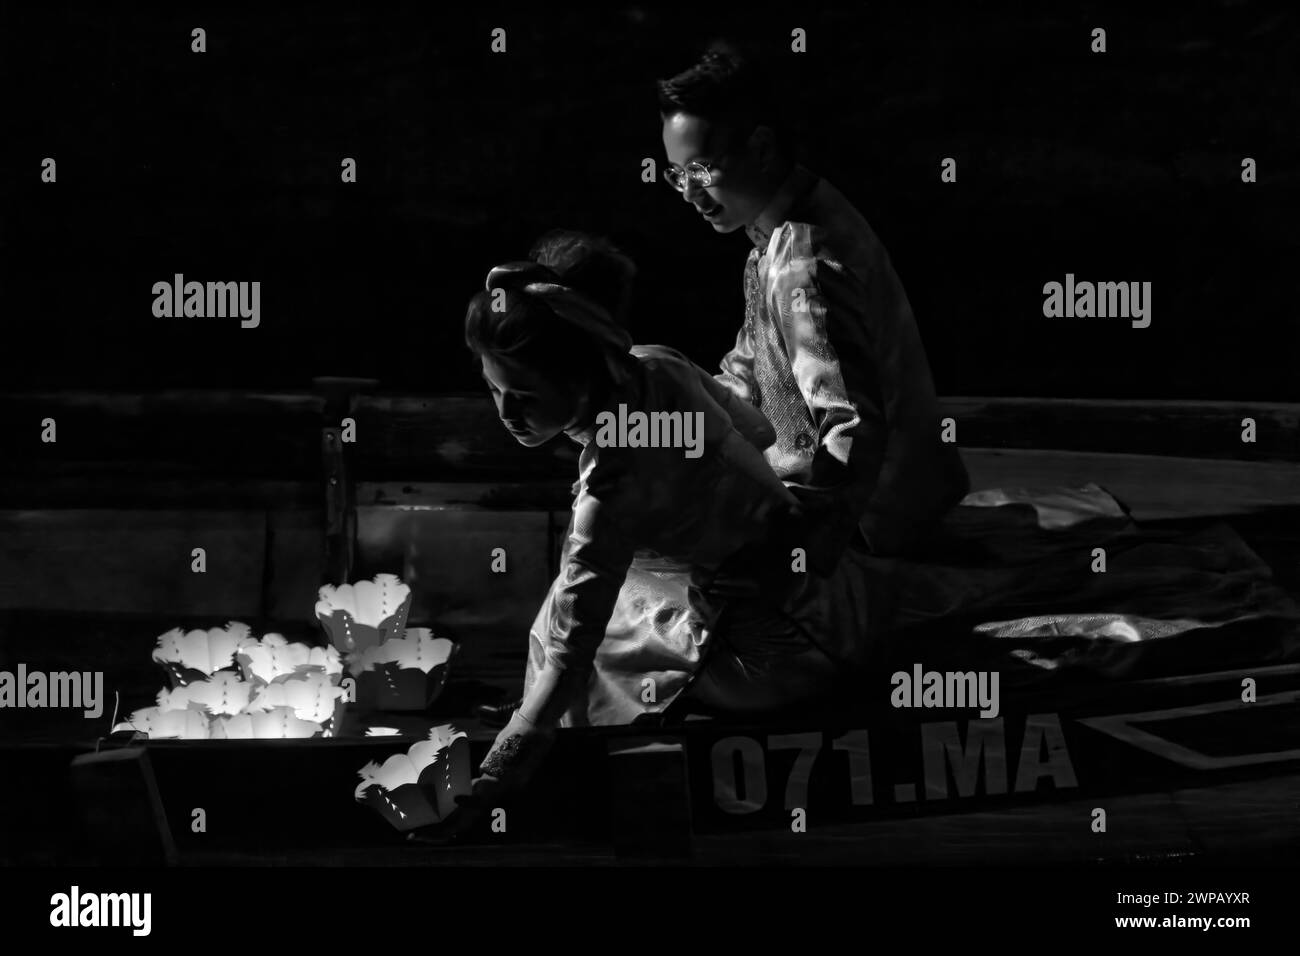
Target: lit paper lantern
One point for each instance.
(311, 697)
(419, 787)
(280, 689)
(278, 723)
(222, 694)
(159, 724)
(194, 655)
(359, 616)
(274, 658)
(406, 674)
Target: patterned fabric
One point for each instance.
(830, 353)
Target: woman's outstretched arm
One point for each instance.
(595, 564)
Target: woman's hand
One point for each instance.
(517, 752)
(519, 749)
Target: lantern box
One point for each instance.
(361, 616)
(404, 675)
(419, 788)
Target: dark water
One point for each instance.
(225, 166)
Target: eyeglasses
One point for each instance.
(701, 174)
(704, 174)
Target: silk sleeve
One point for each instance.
(822, 312)
(594, 564)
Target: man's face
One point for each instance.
(533, 409)
(739, 191)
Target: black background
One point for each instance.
(225, 165)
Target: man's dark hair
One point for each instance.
(726, 85)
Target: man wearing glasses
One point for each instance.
(829, 350)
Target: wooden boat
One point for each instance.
(99, 532)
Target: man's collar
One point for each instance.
(796, 185)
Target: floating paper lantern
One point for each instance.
(359, 616)
(419, 787)
(405, 674)
(194, 655)
(274, 659)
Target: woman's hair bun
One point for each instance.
(516, 275)
(590, 264)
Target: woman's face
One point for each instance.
(533, 408)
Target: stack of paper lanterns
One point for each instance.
(226, 684)
(396, 668)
